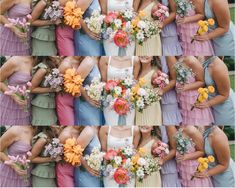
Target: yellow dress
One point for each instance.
(151, 46)
(151, 115)
(153, 180)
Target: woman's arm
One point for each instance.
(136, 138)
(104, 6)
(103, 137)
(136, 67)
(172, 15)
(136, 5)
(103, 67)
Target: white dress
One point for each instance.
(109, 46)
(116, 143)
(111, 117)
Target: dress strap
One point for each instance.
(132, 131)
(109, 61)
(109, 131)
(208, 61)
(208, 131)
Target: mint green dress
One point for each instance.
(43, 175)
(43, 105)
(43, 38)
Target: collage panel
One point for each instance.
(117, 156)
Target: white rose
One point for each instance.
(141, 24)
(118, 90)
(142, 92)
(142, 162)
(118, 160)
(118, 23)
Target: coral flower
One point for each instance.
(121, 176)
(121, 106)
(121, 39)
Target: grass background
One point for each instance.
(232, 13)
(232, 151)
(232, 81)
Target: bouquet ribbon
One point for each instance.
(121, 51)
(121, 120)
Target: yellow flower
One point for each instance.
(141, 151)
(200, 31)
(211, 89)
(205, 95)
(201, 23)
(135, 159)
(205, 165)
(142, 81)
(200, 168)
(205, 28)
(211, 159)
(205, 90)
(211, 21)
(200, 160)
(200, 90)
(142, 14)
(200, 98)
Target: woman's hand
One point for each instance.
(181, 158)
(91, 171)
(181, 88)
(18, 170)
(94, 103)
(91, 34)
(181, 21)
(58, 22)
(18, 33)
(201, 38)
(160, 92)
(202, 105)
(57, 159)
(201, 174)
(20, 102)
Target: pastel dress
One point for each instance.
(187, 168)
(111, 49)
(43, 174)
(219, 110)
(10, 43)
(154, 179)
(169, 173)
(64, 174)
(85, 113)
(186, 100)
(8, 176)
(43, 104)
(170, 110)
(43, 37)
(114, 142)
(223, 45)
(151, 46)
(84, 44)
(65, 109)
(169, 38)
(152, 114)
(226, 178)
(110, 116)
(186, 32)
(10, 112)
(82, 177)
(65, 40)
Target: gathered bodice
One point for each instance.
(19, 78)
(148, 147)
(93, 6)
(116, 142)
(117, 5)
(94, 73)
(19, 148)
(93, 143)
(19, 11)
(148, 10)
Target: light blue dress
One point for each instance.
(85, 113)
(224, 113)
(84, 45)
(225, 179)
(81, 176)
(225, 44)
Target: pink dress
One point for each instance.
(64, 175)
(65, 109)
(65, 41)
(197, 117)
(186, 33)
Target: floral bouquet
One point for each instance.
(203, 94)
(72, 15)
(72, 152)
(95, 159)
(72, 82)
(54, 80)
(160, 12)
(54, 11)
(143, 96)
(143, 164)
(183, 7)
(21, 161)
(95, 89)
(54, 149)
(182, 143)
(160, 79)
(142, 28)
(182, 73)
(160, 149)
(204, 26)
(203, 163)
(117, 165)
(95, 21)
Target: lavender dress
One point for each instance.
(10, 112)
(169, 172)
(170, 111)
(8, 177)
(10, 43)
(169, 37)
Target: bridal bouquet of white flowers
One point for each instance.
(95, 159)
(95, 21)
(95, 89)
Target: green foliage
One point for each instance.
(230, 132)
(230, 62)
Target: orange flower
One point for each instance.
(211, 89)
(211, 159)
(211, 21)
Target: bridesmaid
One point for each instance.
(43, 173)
(222, 33)
(221, 101)
(84, 105)
(64, 101)
(152, 114)
(43, 35)
(13, 41)
(65, 171)
(64, 37)
(169, 37)
(187, 27)
(187, 94)
(88, 43)
(169, 105)
(169, 173)
(146, 141)
(222, 171)
(187, 161)
(151, 46)
(84, 175)
(43, 102)
(17, 141)
(15, 71)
